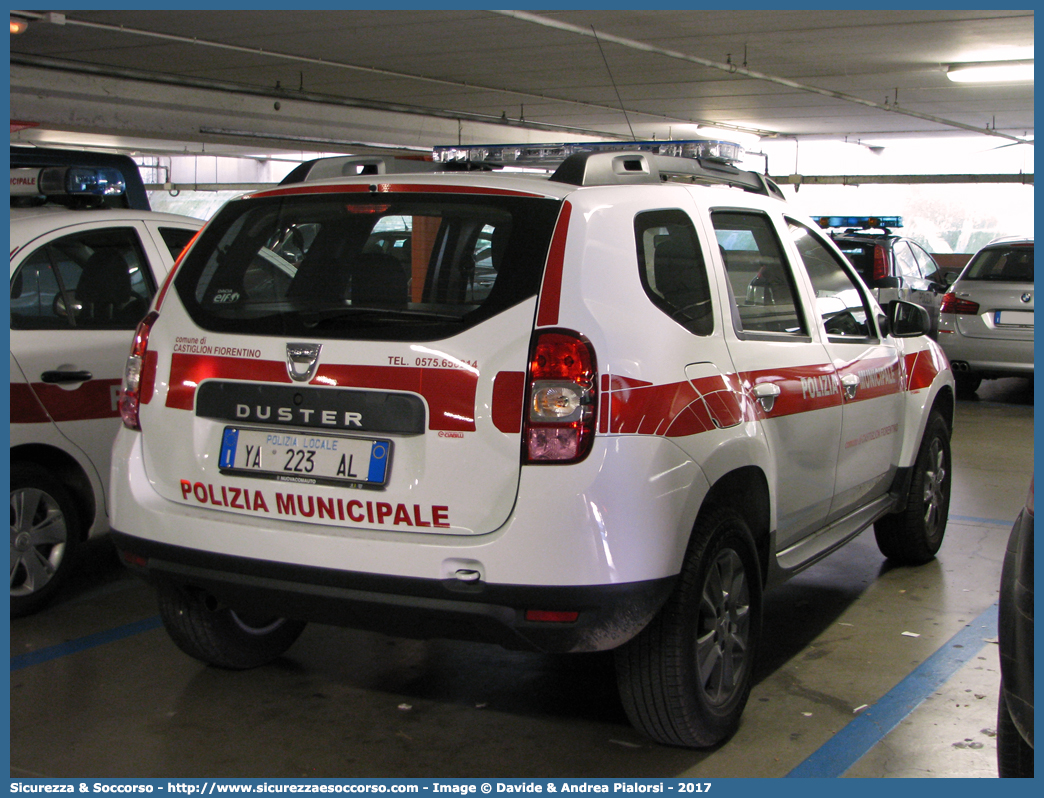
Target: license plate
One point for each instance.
(1013, 318)
(304, 457)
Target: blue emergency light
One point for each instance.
(58, 180)
(864, 222)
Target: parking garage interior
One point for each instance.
(869, 670)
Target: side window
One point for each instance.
(762, 286)
(672, 270)
(905, 263)
(839, 301)
(97, 279)
(929, 268)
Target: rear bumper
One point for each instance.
(989, 356)
(608, 615)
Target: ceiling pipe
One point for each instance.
(123, 73)
(1025, 179)
(122, 29)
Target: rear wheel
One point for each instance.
(685, 679)
(45, 532)
(914, 535)
(221, 636)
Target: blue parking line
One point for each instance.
(967, 519)
(83, 643)
(831, 760)
(849, 745)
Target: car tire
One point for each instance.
(914, 535)
(966, 383)
(220, 636)
(45, 536)
(1014, 754)
(685, 679)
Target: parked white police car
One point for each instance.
(82, 277)
(601, 410)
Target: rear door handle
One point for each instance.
(65, 377)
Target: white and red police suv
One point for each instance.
(597, 410)
(82, 278)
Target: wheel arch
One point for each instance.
(945, 404)
(67, 470)
(746, 491)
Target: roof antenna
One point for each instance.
(611, 80)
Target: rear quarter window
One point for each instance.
(672, 270)
(176, 238)
(397, 267)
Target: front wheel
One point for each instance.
(914, 535)
(221, 636)
(45, 532)
(685, 679)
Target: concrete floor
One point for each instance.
(98, 690)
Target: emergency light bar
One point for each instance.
(537, 155)
(865, 222)
(56, 180)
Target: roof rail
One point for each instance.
(352, 165)
(615, 168)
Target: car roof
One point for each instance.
(28, 223)
(1006, 241)
(619, 169)
(522, 185)
(513, 183)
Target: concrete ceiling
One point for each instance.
(322, 81)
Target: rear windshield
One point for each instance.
(1004, 264)
(859, 255)
(391, 266)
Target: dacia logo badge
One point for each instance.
(1027, 298)
(301, 361)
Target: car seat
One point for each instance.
(105, 295)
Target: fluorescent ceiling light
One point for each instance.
(991, 72)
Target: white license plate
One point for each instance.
(1014, 318)
(304, 456)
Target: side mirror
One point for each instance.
(907, 320)
(889, 282)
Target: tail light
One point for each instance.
(562, 399)
(880, 264)
(951, 304)
(134, 375)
